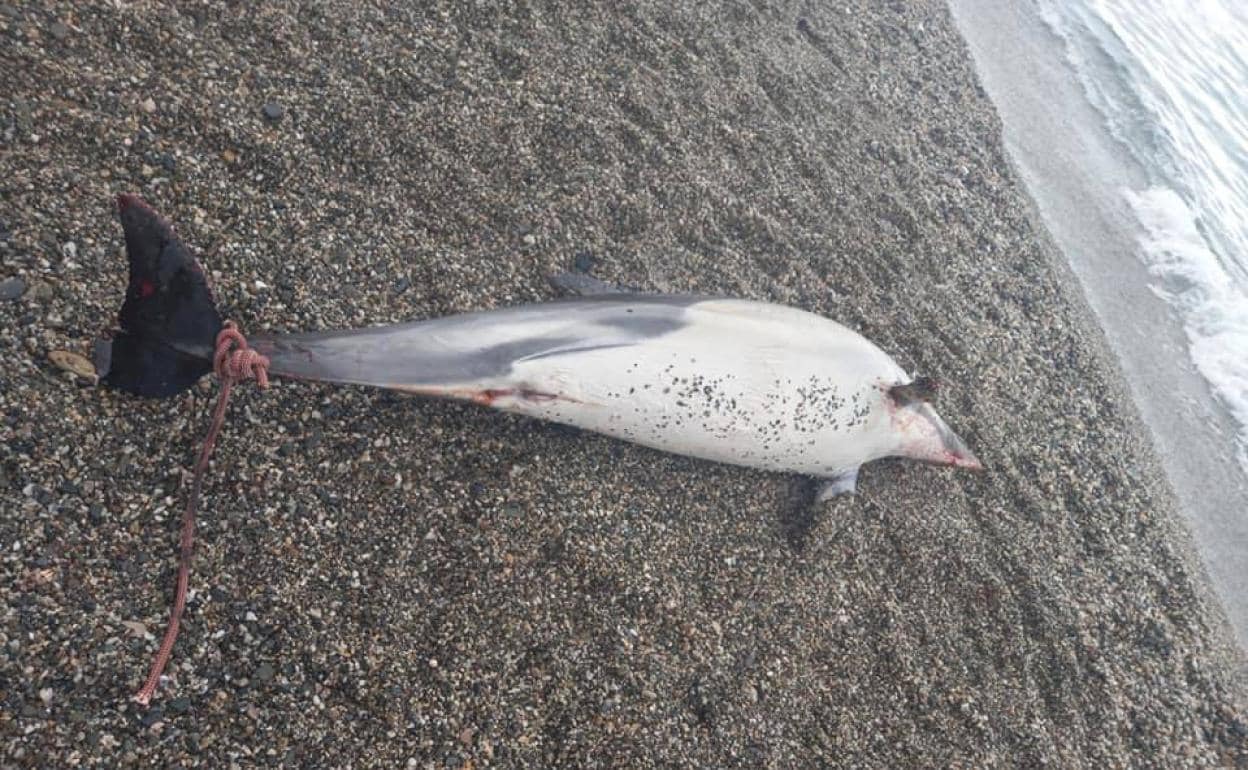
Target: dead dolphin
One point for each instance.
(729, 380)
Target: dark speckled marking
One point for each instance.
(787, 429)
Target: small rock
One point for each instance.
(39, 291)
(72, 362)
(58, 30)
(265, 672)
(229, 156)
(273, 111)
(148, 105)
(136, 628)
(529, 240)
(584, 262)
(402, 285)
(180, 705)
(11, 289)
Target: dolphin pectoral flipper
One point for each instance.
(581, 285)
(842, 484)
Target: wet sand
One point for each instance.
(385, 581)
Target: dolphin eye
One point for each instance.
(146, 289)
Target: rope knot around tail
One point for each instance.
(233, 361)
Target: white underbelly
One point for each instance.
(721, 392)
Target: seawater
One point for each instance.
(1170, 80)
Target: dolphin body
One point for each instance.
(734, 381)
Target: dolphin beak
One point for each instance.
(959, 454)
(926, 437)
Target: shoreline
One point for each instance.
(384, 581)
(1077, 170)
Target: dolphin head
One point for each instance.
(921, 433)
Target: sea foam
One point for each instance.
(1169, 77)
(1212, 305)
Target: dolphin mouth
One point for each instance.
(932, 441)
(955, 450)
(959, 454)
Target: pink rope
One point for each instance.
(234, 361)
(240, 363)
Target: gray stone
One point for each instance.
(11, 289)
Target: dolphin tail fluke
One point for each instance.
(168, 321)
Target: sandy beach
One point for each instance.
(384, 581)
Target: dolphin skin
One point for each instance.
(729, 380)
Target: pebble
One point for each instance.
(73, 362)
(11, 289)
(39, 291)
(273, 111)
(148, 105)
(152, 716)
(58, 30)
(584, 262)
